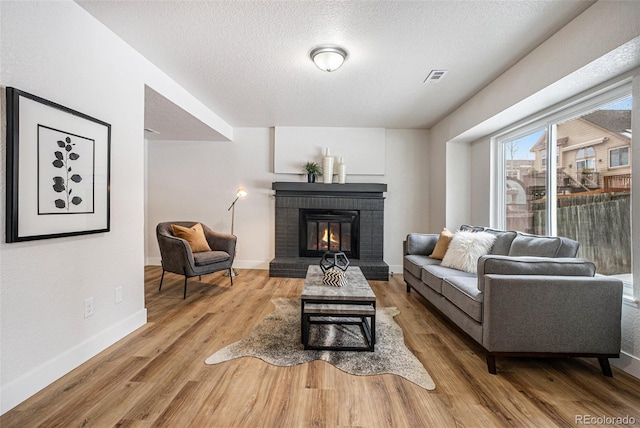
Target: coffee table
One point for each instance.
(352, 304)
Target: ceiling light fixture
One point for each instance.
(328, 58)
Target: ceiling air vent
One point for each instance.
(435, 76)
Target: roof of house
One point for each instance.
(617, 121)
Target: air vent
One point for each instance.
(435, 76)
(151, 131)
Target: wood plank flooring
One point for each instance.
(156, 377)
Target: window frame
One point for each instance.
(628, 157)
(563, 112)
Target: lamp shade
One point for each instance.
(241, 193)
(328, 58)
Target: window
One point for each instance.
(619, 157)
(586, 194)
(586, 159)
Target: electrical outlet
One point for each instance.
(88, 307)
(118, 294)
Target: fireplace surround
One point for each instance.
(358, 212)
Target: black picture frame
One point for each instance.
(58, 170)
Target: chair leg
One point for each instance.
(161, 279)
(185, 286)
(231, 275)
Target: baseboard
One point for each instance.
(263, 265)
(154, 261)
(395, 269)
(238, 264)
(628, 363)
(251, 264)
(18, 390)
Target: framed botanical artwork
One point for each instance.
(58, 170)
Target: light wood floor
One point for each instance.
(157, 377)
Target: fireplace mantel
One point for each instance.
(285, 188)
(293, 197)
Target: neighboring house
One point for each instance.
(593, 153)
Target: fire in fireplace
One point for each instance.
(328, 230)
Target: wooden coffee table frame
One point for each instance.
(339, 306)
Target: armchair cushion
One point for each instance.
(205, 258)
(193, 235)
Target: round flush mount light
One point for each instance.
(328, 58)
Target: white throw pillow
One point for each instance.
(466, 248)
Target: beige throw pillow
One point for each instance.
(442, 245)
(193, 235)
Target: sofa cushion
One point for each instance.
(537, 246)
(444, 239)
(467, 228)
(463, 292)
(502, 245)
(434, 274)
(568, 248)
(465, 250)
(210, 257)
(414, 263)
(420, 243)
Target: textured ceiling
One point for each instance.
(248, 60)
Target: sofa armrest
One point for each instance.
(552, 314)
(420, 243)
(508, 265)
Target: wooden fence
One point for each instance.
(601, 223)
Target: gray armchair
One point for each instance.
(178, 258)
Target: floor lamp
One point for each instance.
(241, 193)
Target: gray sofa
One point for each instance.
(530, 296)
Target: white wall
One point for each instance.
(571, 61)
(59, 52)
(198, 181)
(564, 65)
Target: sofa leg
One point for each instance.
(605, 366)
(408, 287)
(491, 363)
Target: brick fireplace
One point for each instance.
(314, 217)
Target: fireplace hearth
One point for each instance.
(312, 218)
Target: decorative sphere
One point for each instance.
(332, 259)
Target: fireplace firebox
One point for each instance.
(328, 230)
